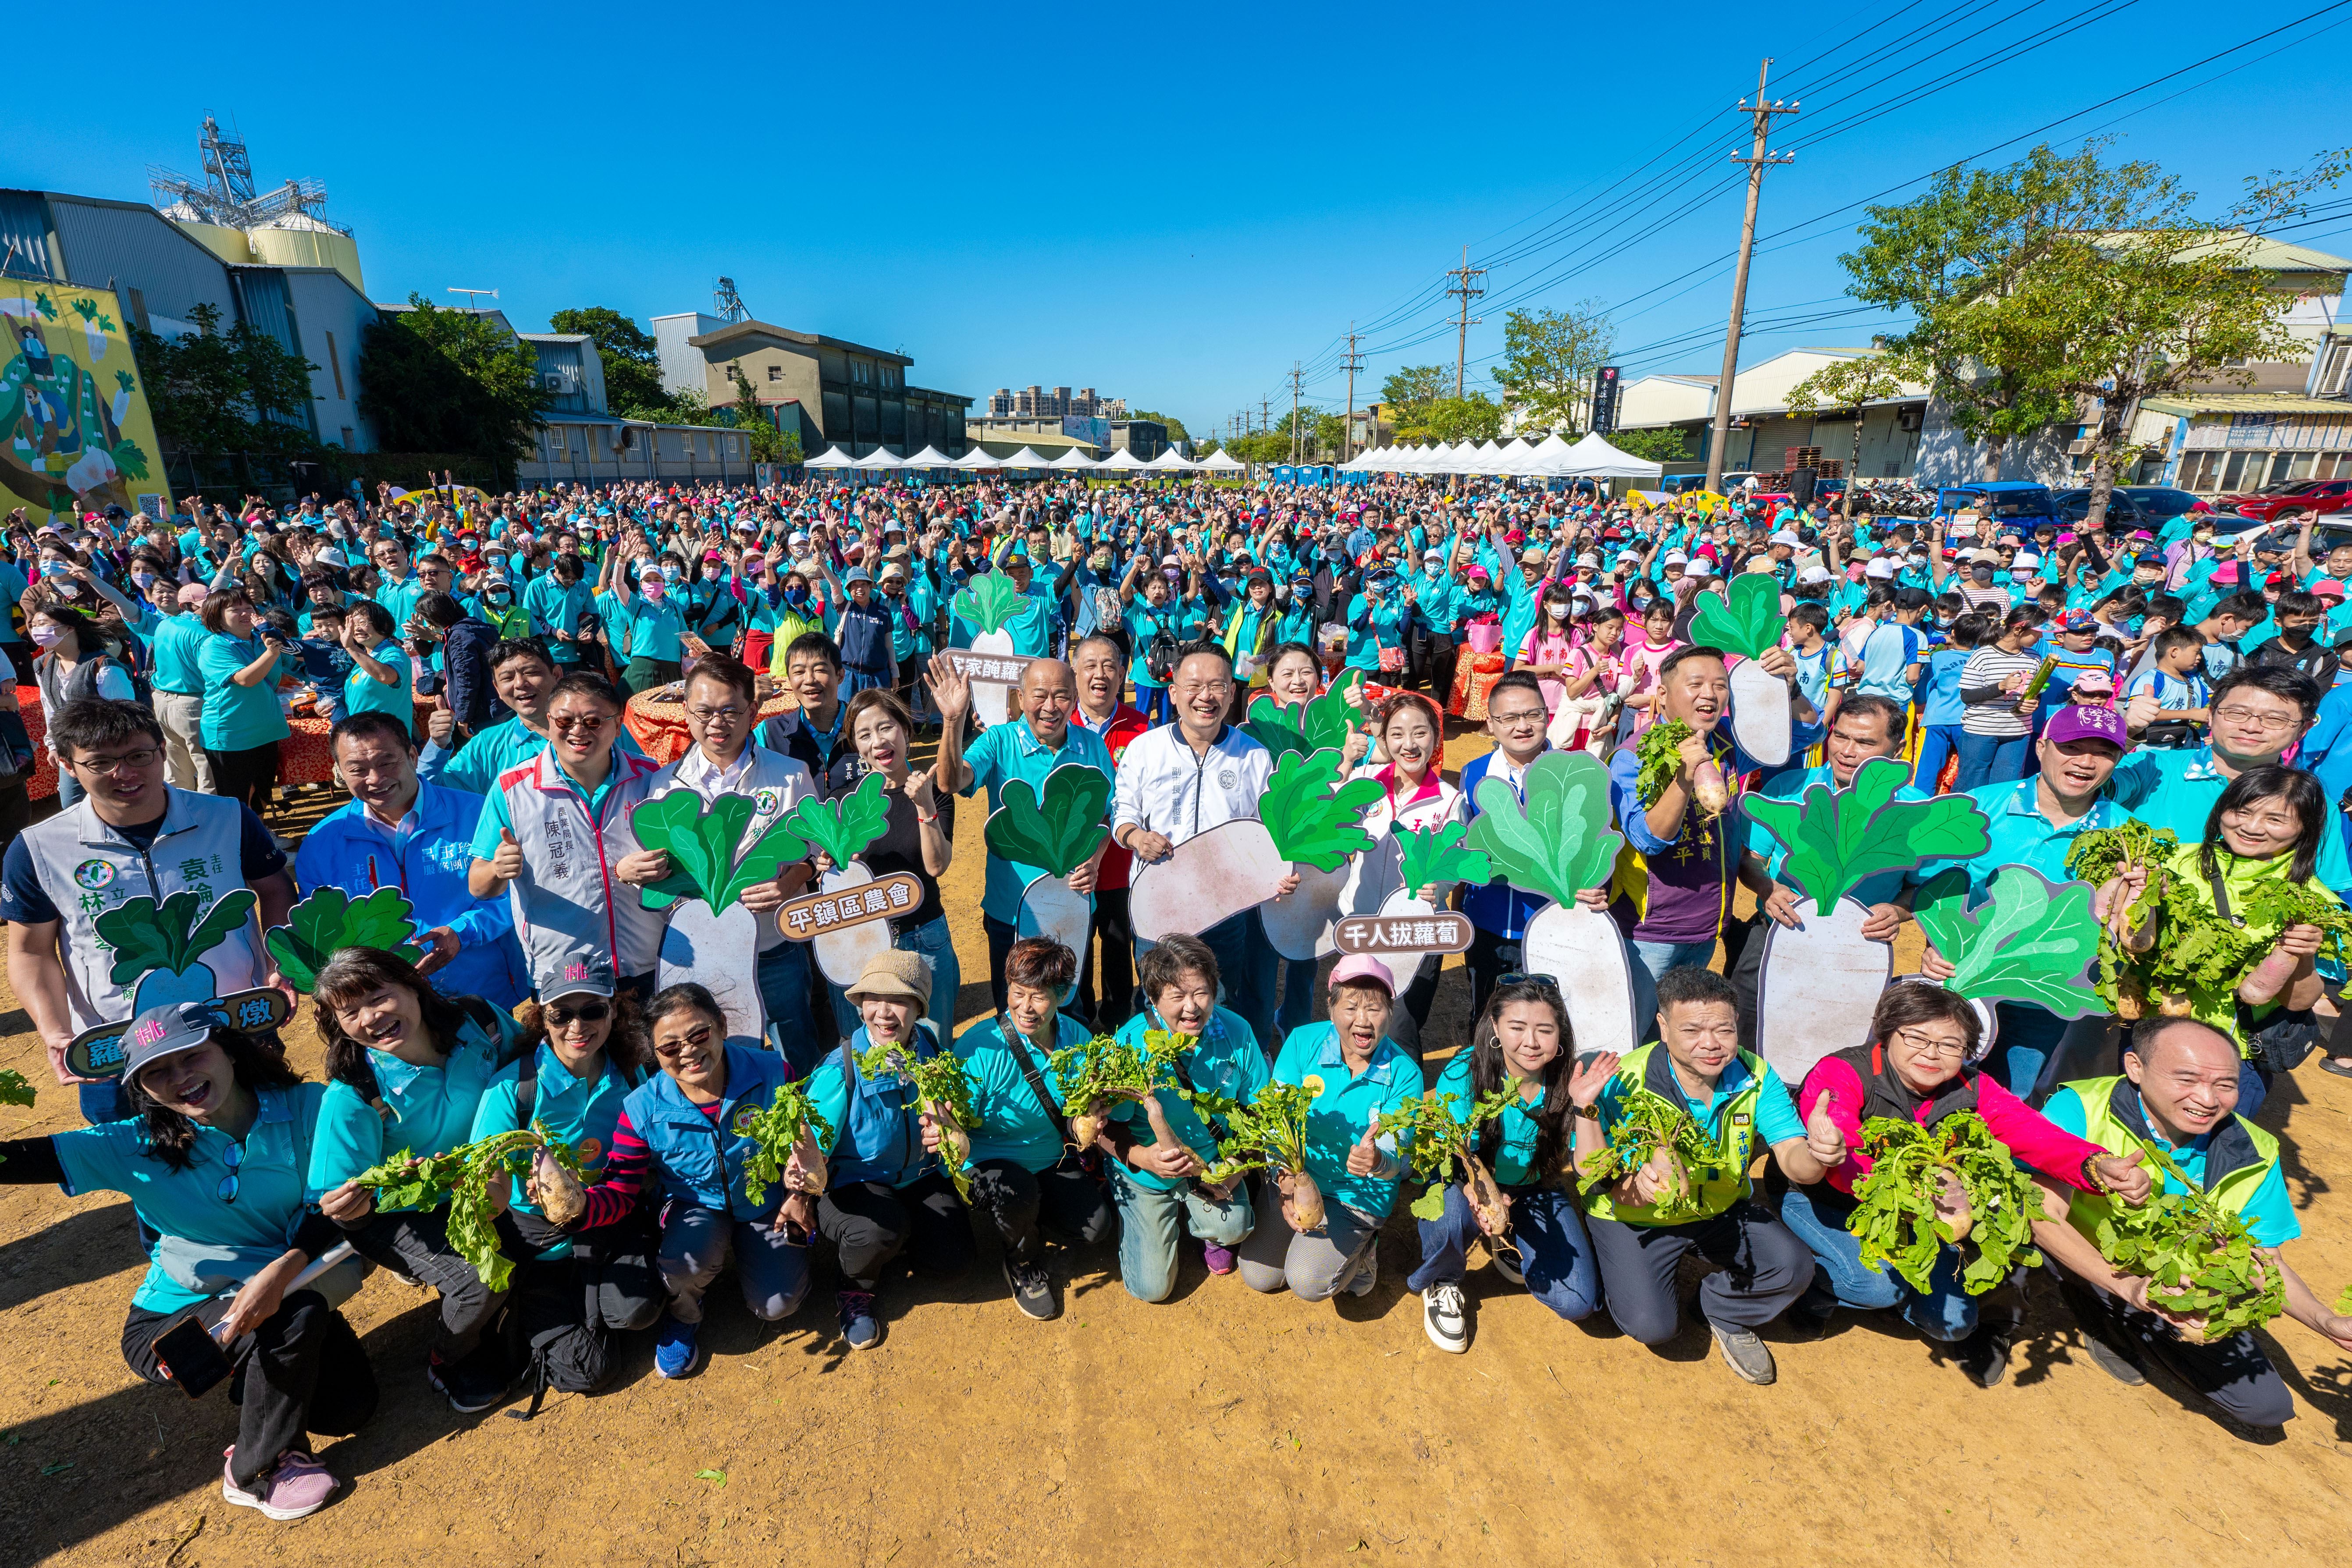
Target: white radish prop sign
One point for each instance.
(2030, 940)
(1750, 626)
(1315, 725)
(1554, 844)
(1050, 837)
(330, 919)
(1307, 821)
(1430, 859)
(1821, 981)
(711, 938)
(992, 603)
(842, 828)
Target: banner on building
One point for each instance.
(75, 432)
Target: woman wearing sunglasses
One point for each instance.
(211, 1159)
(407, 1069)
(683, 1145)
(570, 1295)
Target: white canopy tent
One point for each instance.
(1594, 458)
(1538, 460)
(1074, 460)
(1124, 460)
(1027, 458)
(831, 458)
(879, 458)
(1223, 462)
(975, 459)
(930, 458)
(1171, 461)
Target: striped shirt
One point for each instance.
(1989, 666)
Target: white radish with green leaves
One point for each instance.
(330, 920)
(1306, 820)
(1820, 980)
(992, 603)
(1555, 843)
(160, 948)
(2030, 940)
(1748, 624)
(842, 828)
(1045, 836)
(1412, 861)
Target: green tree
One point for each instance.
(235, 391)
(1851, 384)
(435, 380)
(1176, 431)
(1409, 394)
(1477, 417)
(1549, 358)
(1665, 445)
(769, 443)
(632, 384)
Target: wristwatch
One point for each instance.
(1591, 1111)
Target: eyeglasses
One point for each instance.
(233, 1156)
(591, 722)
(714, 715)
(697, 1040)
(560, 1017)
(2253, 721)
(1523, 716)
(145, 757)
(1928, 1044)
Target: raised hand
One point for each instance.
(1364, 1155)
(1823, 1137)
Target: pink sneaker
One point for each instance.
(1220, 1259)
(299, 1486)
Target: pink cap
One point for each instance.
(1362, 966)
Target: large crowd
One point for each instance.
(681, 1073)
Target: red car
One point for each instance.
(2289, 495)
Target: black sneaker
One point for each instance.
(1033, 1289)
(1748, 1356)
(1984, 1355)
(2114, 1362)
(1808, 1319)
(468, 1390)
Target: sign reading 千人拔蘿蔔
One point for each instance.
(811, 916)
(75, 432)
(1416, 934)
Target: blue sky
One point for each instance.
(1169, 207)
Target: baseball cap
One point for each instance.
(2077, 621)
(2025, 560)
(1787, 536)
(2095, 682)
(192, 595)
(167, 1031)
(330, 556)
(1362, 966)
(1675, 558)
(580, 978)
(1476, 571)
(2082, 723)
(2326, 588)
(1814, 575)
(1701, 567)
(1881, 567)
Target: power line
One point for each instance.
(1466, 291)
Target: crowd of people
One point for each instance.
(478, 663)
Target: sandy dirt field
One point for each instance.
(1222, 1427)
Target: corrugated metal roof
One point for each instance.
(2255, 250)
(2248, 403)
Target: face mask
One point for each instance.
(46, 633)
(145, 580)
(671, 574)
(653, 590)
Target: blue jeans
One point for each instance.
(1245, 963)
(938, 948)
(783, 981)
(1651, 959)
(1554, 1254)
(1936, 742)
(1991, 759)
(1945, 1311)
(70, 790)
(1148, 1224)
(2029, 1037)
(107, 1100)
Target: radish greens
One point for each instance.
(1839, 839)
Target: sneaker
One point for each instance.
(2114, 1362)
(1368, 1273)
(1984, 1355)
(468, 1391)
(1808, 1318)
(678, 1348)
(860, 1326)
(1033, 1289)
(1445, 1315)
(299, 1487)
(1744, 1353)
(1507, 1265)
(1220, 1259)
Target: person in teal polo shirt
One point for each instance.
(379, 681)
(556, 601)
(1029, 748)
(179, 686)
(242, 722)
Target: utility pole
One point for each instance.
(1352, 364)
(1758, 160)
(1266, 415)
(1466, 292)
(1294, 411)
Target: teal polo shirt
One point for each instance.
(238, 718)
(1014, 1124)
(175, 648)
(2177, 789)
(1008, 751)
(363, 693)
(2021, 836)
(1336, 1119)
(495, 819)
(1515, 1160)
(1880, 888)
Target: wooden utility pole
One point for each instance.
(1294, 411)
(1758, 160)
(1463, 288)
(1352, 364)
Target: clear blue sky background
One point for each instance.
(1167, 207)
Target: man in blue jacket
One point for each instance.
(399, 831)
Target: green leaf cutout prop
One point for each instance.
(1057, 833)
(1750, 625)
(842, 827)
(993, 602)
(1302, 728)
(1312, 818)
(1433, 855)
(2030, 940)
(330, 919)
(1839, 839)
(171, 936)
(700, 843)
(1559, 841)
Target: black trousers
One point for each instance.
(417, 1244)
(1114, 941)
(1765, 1268)
(1071, 1199)
(869, 1224)
(312, 1375)
(2234, 1376)
(248, 775)
(562, 1312)
(1491, 956)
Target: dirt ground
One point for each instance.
(1222, 1427)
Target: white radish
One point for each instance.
(1049, 909)
(992, 700)
(1584, 953)
(841, 955)
(720, 952)
(1209, 877)
(1818, 988)
(1304, 925)
(1759, 713)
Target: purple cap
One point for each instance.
(2087, 722)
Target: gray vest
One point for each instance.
(569, 907)
(87, 868)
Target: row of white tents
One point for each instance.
(1120, 461)
(1550, 458)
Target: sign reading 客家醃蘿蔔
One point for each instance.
(1000, 668)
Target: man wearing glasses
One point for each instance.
(551, 834)
(132, 836)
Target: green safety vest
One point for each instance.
(2242, 1152)
(1720, 1183)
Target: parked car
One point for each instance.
(2288, 495)
(2129, 506)
(2014, 506)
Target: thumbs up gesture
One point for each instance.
(442, 727)
(1364, 1156)
(507, 861)
(1822, 1135)
(2122, 1176)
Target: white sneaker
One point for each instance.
(1506, 1263)
(1445, 1314)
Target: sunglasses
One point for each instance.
(559, 1015)
(1543, 982)
(232, 1156)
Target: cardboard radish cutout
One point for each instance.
(842, 828)
(990, 603)
(1320, 723)
(2030, 940)
(1819, 981)
(1422, 858)
(330, 919)
(1054, 837)
(1750, 626)
(159, 949)
(1555, 844)
(1307, 822)
(711, 938)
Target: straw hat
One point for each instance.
(894, 974)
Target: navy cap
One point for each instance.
(167, 1031)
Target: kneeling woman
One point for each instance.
(1914, 1069)
(570, 1294)
(1156, 1186)
(683, 1142)
(1522, 1044)
(888, 1190)
(1363, 1075)
(1021, 1160)
(211, 1158)
(406, 1067)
